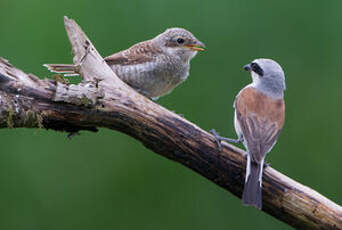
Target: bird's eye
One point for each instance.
(180, 40)
(257, 69)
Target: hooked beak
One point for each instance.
(196, 46)
(247, 67)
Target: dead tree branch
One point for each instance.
(103, 100)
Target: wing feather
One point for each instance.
(261, 119)
(140, 53)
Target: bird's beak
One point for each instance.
(247, 67)
(196, 46)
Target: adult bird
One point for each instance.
(154, 67)
(259, 118)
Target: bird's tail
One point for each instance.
(66, 69)
(252, 191)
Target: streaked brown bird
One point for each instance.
(259, 118)
(154, 67)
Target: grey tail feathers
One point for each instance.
(66, 69)
(252, 195)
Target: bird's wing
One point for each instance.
(261, 119)
(140, 53)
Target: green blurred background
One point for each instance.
(110, 181)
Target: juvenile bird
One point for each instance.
(259, 118)
(154, 67)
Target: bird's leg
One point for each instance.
(213, 131)
(219, 139)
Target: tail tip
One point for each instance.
(257, 204)
(252, 193)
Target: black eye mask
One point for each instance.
(257, 69)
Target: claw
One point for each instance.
(218, 139)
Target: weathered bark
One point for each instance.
(103, 100)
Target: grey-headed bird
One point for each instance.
(154, 67)
(259, 118)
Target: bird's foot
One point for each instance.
(219, 139)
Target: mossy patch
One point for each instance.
(33, 119)
(86, 101)
(10, 118)
(61, 79)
